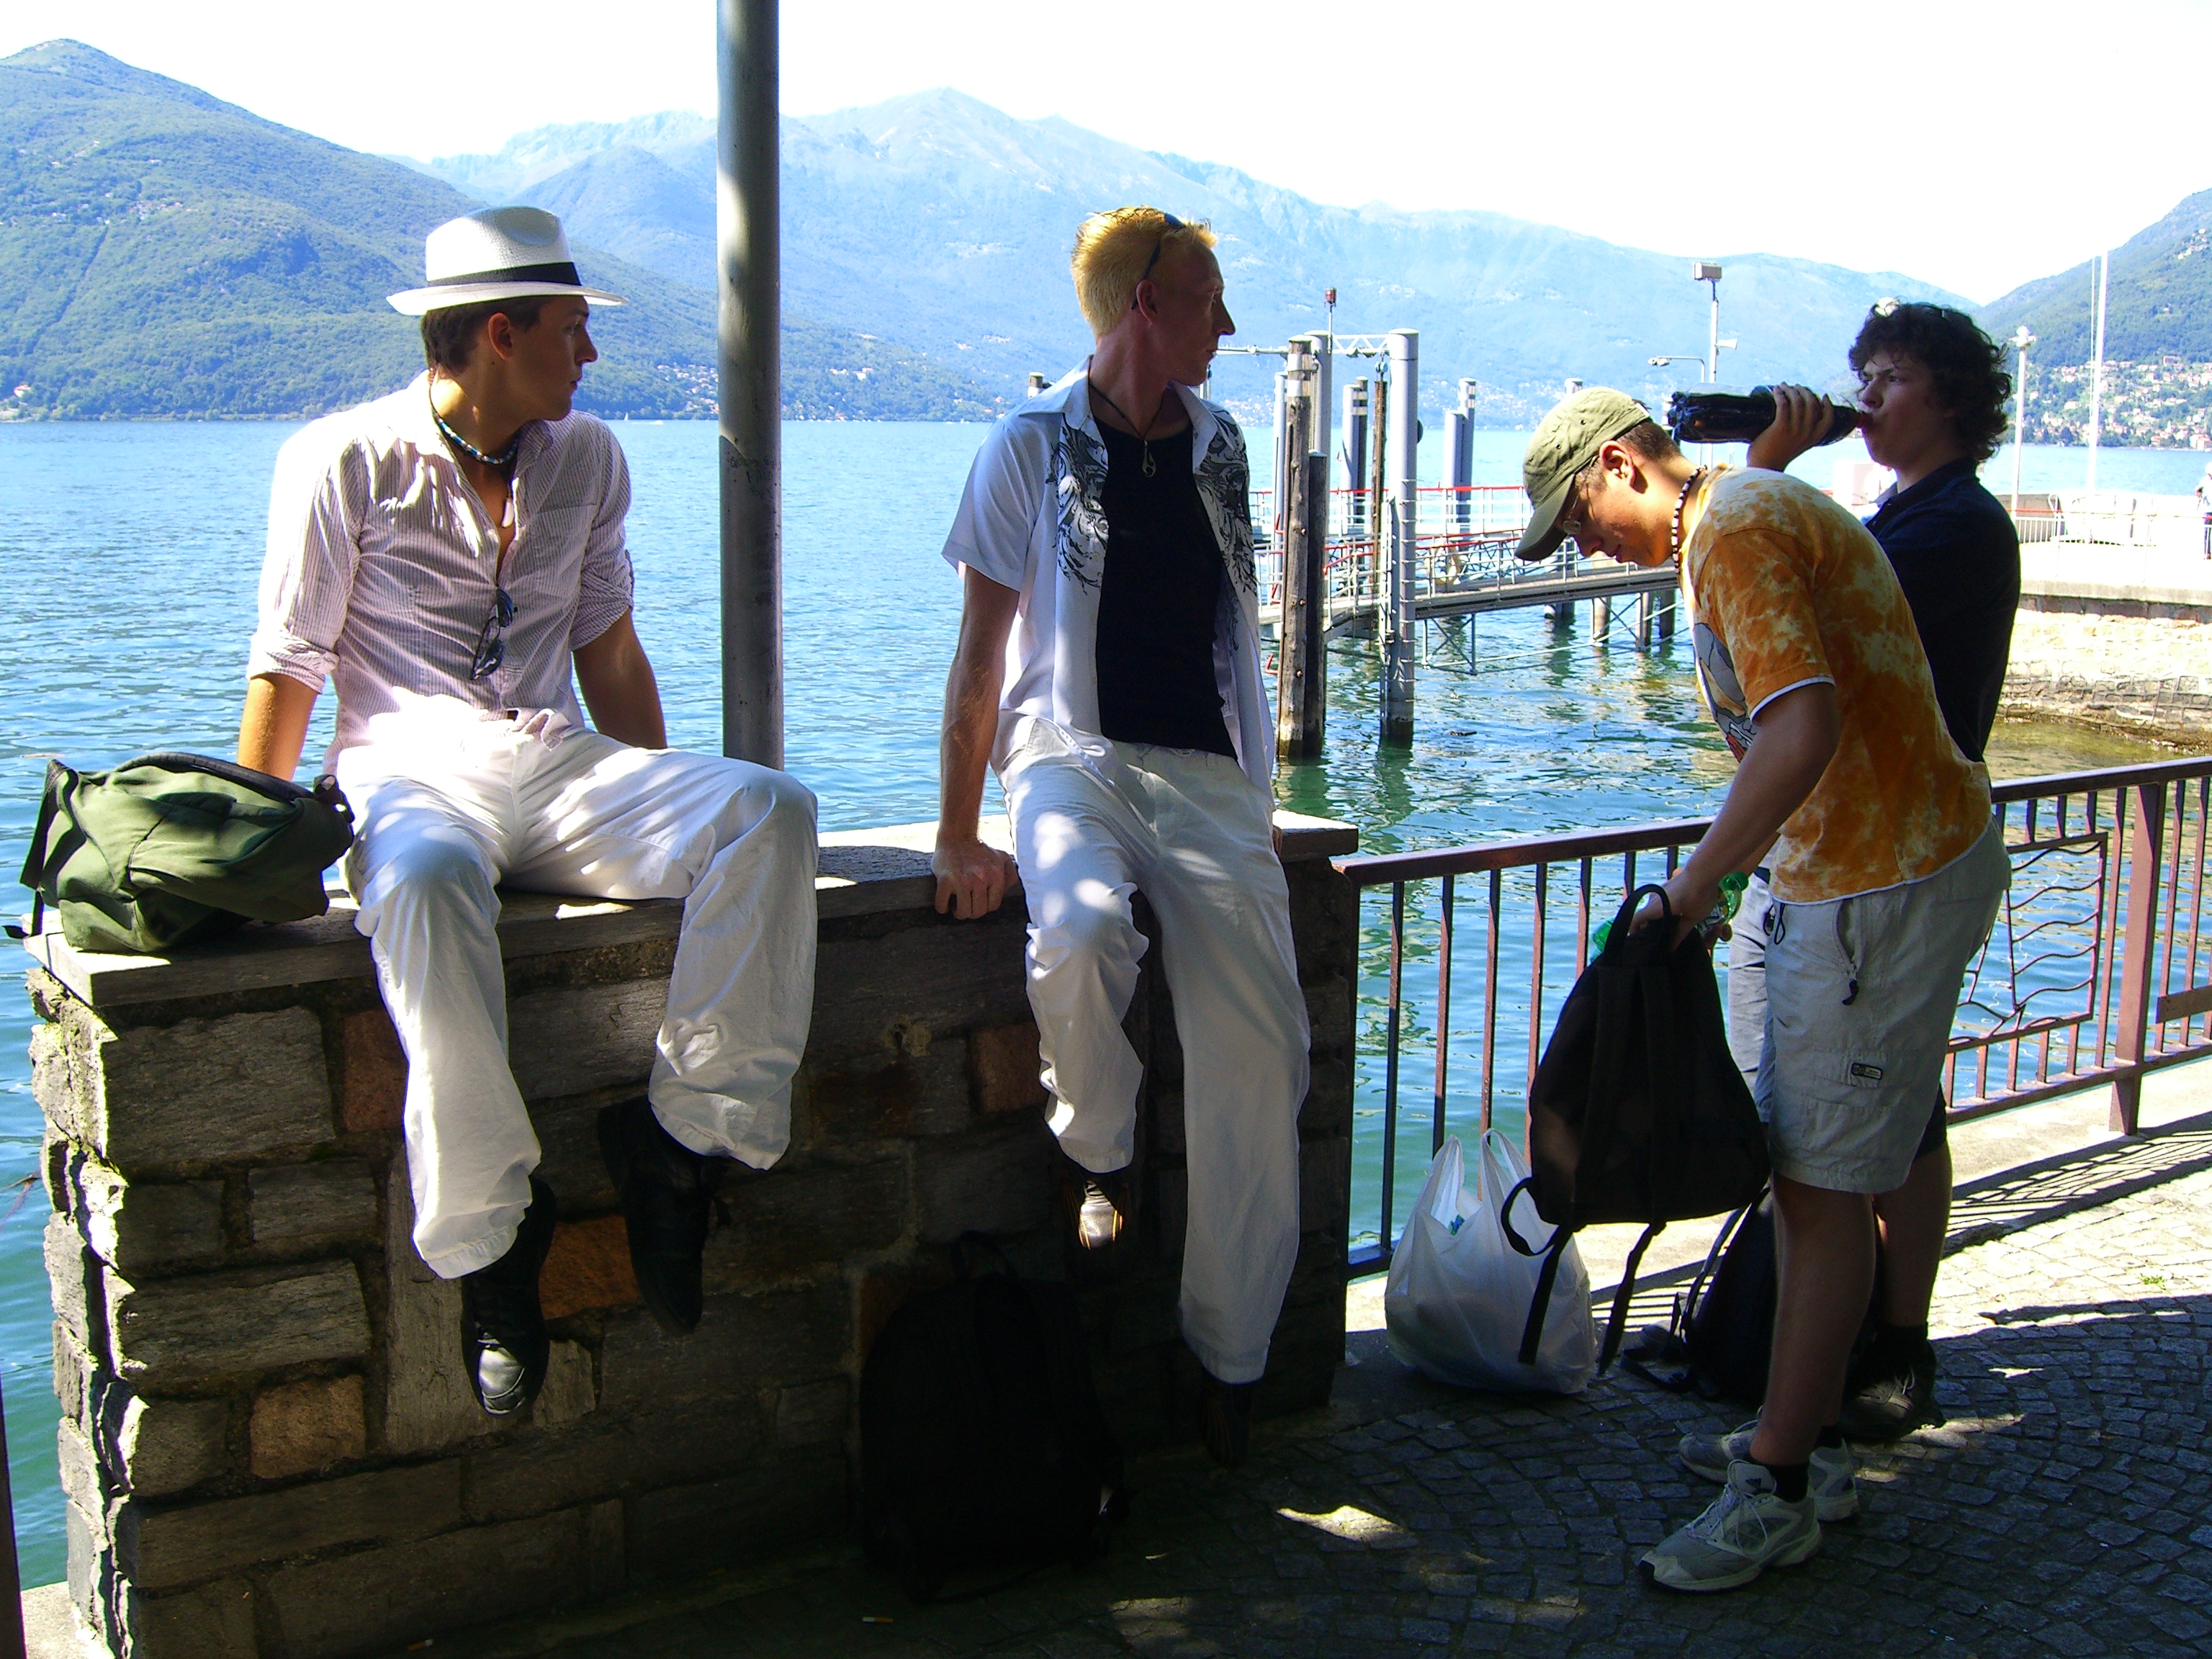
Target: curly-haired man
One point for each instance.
(1932, 394)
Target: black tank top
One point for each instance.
(1158, 601)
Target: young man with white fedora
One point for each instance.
(451, 556)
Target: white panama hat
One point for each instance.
(499, 253)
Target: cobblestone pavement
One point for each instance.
(2066, 1509)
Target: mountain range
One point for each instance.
(165, 253)
(941, 222)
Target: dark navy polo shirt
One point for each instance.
(1957, 556)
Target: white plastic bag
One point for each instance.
(1458, 1295)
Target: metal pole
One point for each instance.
(1399, 620)
(2097, 374)
(748, 328)
(1355, 435)
(2020, 342)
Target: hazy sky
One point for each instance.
(1972, 145)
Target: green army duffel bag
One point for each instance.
(168, 849)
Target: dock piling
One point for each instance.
(1301, 662)
(1399, 620)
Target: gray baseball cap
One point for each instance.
(1565, 442)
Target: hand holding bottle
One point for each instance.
(1802, 419)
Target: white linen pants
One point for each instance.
(1194, 834)
(445, 809)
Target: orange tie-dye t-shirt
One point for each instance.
(1788, 590)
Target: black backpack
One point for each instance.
(982, 1445)
(1638, 1112)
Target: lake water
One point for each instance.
(130, 553)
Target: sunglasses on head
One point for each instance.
(1172, 224)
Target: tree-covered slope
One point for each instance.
(2158, 302)
(163, 253)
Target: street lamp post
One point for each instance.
(2020, 342)
(1705, 271)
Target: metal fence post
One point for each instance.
(2146, 847)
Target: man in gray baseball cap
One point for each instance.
(1566, 441)
(453, 558)
(1813, 666)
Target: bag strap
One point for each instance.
(1505, 1219)
(1728, 1231)
(1541, 1304)
(1617, 1321)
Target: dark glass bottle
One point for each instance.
(1719, 415)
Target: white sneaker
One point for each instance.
(1828, 1475)
(1749, 1527)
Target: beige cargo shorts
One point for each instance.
(1861, 993)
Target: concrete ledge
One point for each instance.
(862, 872)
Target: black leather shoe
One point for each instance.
(1101, 1210)
(504, 1347)
(667, 1198)
(1225, 1419)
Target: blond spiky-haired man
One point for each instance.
(1109, 669)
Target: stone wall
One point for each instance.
(2138, 665)
(268, 1445)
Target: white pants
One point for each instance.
(445, 808)
(1193, 833)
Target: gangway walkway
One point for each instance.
(1464, 561)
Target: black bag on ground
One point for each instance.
(169, 849)
(1638, 1112)
(982, 1445)
(1729, 1319)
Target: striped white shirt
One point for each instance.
(382, 564)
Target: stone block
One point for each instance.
(91, 1563)
(1328, 1101)
(298, 1427)
(813, 1413)
(882, 1097)
(1007, 1069)
(570, 1038)
(428, 1402)
(788, 1220)
(572, 1387)
(211, 1089)
(1324, 1185)
(997, 1179)
(588, 1266)
(936, 977)
(57, 1082)
(73, 1277)
(372, 1074)
(332, 1199)
(183, 1329)
(1329, 1011)
(742, 1343)
(140, 1226)
(163, 1548)
(569, 1160)
(677, 1531)
(214, 1621)
(606, 1526)
(73, 1369)
(82, 1480)
(379, 1600)
(158, 1446)
(612, 1453)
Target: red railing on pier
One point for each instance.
(2098, 970)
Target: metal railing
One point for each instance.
(2098, 969)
